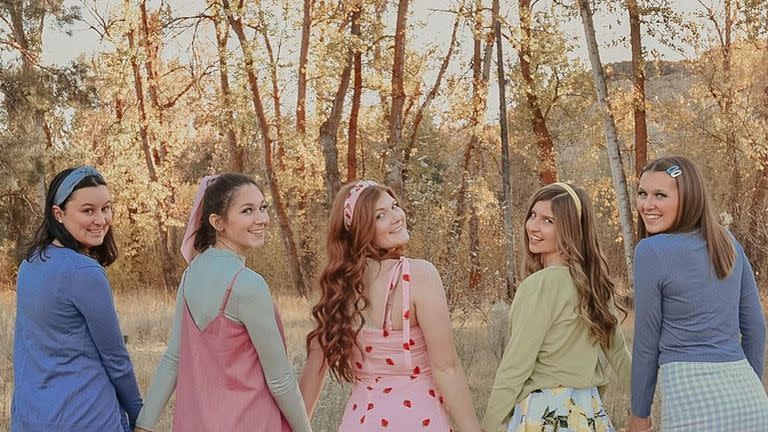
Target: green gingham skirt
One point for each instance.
(697, 396)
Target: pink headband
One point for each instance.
(188, 244)
(354, 194)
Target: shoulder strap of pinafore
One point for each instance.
(229, 291)
(401, 272)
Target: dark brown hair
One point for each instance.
(50, 230)
(216, 200)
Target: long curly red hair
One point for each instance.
(338, 314)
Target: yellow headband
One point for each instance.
(574, 196)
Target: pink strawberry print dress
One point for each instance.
(394, 389)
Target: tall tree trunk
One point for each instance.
(734, 197)
(432, 93)
(36, 132)
(329, 133)
(547, 163)
(167, 264)
(276, 104)
(236, 152)
(395, 151)
(301, 102)
(357, 94)
(475, 266)
(611, 137)
(480, 76)
(638, 99)
(289, 245)
(150, 50)
(756, 248)
(378, 60)
(160, 152)
(138, 87)
(506, 190)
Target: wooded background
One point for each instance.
(308, 95)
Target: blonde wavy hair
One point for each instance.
(580, 248)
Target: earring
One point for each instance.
(60, 221)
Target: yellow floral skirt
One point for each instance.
(561, 409)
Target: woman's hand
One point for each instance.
(313, 377)
(640, 424)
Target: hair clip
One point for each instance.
(674, 171)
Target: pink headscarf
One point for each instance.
(188, 244)
(351, 201)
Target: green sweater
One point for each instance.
(550, 346)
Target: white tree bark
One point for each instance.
(611, 137)
(506, 194)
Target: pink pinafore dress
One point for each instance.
(221, 385)
(394, 389)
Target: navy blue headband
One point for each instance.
(71, 180)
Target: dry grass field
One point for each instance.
(146, 318)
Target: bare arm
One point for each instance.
(313, 377)
(435, 321)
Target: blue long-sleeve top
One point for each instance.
(71, 368)
(683, 312)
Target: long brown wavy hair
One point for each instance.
(695, 212)
(338, 314)
(580, 248)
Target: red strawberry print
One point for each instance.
(386, 333)
(407, 403)
(416, 370)
(426, 422)
(407, 314)
(384, 422)
(406, 346)
(387, 390)
(412, 342)
(354, 407)
(358, 365)
(406, 277)
(441, 400)
(432, 392)
(362, 419)
(370, 406)
(368, 349)
(369, 388)
(390, 361)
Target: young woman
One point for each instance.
(561, 320)
(226, 357)
(70, 365)
(698, 316)
(382, 323)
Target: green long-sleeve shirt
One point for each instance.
(250, 303)
(550, 345)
